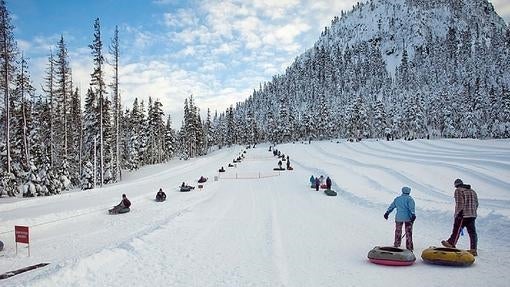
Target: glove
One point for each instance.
(413, 217)
(386, 216)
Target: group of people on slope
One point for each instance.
(466, 205)
(318, 181)
(280, 163)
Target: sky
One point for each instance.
(217, 51)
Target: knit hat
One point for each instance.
(406, 190)
(457, 182)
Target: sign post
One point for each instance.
(22, 236)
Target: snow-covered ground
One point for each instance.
(257, 227)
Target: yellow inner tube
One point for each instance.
(447, 256)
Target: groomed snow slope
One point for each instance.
(273, 230)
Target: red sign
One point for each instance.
(21, 233)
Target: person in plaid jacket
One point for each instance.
(466, 204)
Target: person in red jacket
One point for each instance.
(466, 204)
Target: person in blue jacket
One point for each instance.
(405, 215)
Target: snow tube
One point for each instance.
(323, 186)
(277, 168)
(160, 199)
(447, 256)
(202, 180)
(221, 170)
(391, 256)
(330, 192)
(119, 211)
(186, 188)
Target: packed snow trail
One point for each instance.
(269, 231)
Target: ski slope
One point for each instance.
(257, 227)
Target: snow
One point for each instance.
(257, 227)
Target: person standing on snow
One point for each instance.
(466, 204)
(317, 183)
(405, 215)
(328, 183)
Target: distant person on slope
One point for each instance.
(317, 183)
(466, 204)
(280, 164)
(328, 183)
(405, 215)
(124, 203)
(160, 196)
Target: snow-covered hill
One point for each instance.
(412, 68)
(257, 227)
(410, 24)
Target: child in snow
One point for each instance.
(405, 215)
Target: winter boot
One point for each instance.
(473, 252)
(447, 244)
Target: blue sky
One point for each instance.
(219, 51)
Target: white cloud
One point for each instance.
(285, 35)
(182, 18)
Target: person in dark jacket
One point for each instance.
(124, 203)
(317, 183)
(405, 215)
(466, 205)
(328, 182)
(280, 164)
(160, 196)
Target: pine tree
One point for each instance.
(115, 52)
(62, 96)
(97, 82)
(7, 68)
(75, 137)
(170, 140)
(49, 89)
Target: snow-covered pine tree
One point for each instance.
(170, 140)
(22, 123)
(75, 138)
(90, 129)
(117, 111)
(98, 85)
(62, 99)
(7, 68)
